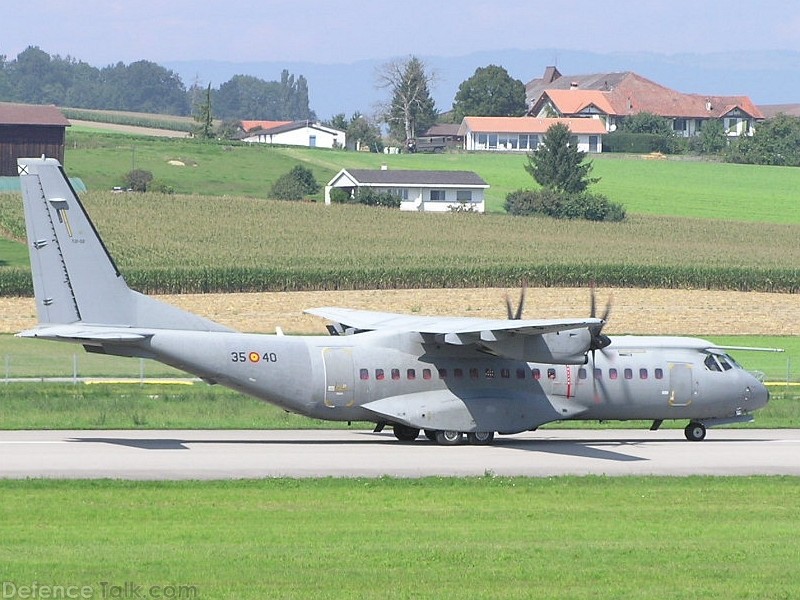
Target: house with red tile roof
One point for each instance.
(612, 97)
(523, 134)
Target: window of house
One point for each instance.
(464, 195)
(523, 141)
(401, 193)
(492, 141)
(482, 141)
(438, 195)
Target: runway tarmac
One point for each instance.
(174, 455)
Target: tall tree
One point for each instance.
(203, 118)
(559, 165)
(490, 92)
(411, 109)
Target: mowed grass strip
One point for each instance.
(486, 537)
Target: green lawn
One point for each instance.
(489, 537)
(13, 254)
(684, 187)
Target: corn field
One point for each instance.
(187, 244)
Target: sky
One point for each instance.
(103, 32)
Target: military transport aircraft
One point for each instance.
(447, 376)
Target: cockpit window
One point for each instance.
(725, 364)
(711, 363)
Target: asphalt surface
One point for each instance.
(174, 455)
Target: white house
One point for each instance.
(297, 133)
(523, 134)
(430, 191)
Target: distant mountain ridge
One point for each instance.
(767, 77)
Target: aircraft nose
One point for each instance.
(758, 393)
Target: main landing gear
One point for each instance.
(405, 433)
(695, 431)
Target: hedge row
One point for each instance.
(16, 282)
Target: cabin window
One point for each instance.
(551, 373)
(711, 363)
(598, 373)
(505, 373)
(426, 373)
(395, 374)
(411, 374)
(612, 374)
(473, 373)
(380, 375)
(520, 373)
(582, 374)
(458, 373)
(442, 373)
(725, 364)
(537, 374)
(642, 373)
(364, 374)
(628, 373)
(489, 373)
(659, 373)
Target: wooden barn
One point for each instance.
(29, 130)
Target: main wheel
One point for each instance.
(448, 438)
(430, 434)
(480, 438)
(695, 431)
(405, 433)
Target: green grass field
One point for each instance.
(688, 188)
(489, 537)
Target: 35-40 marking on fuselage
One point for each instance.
(241, 356)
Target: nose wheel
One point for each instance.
(695, 431)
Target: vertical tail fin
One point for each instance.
(74, 277)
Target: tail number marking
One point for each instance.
(242, 356)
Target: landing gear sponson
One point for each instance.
(405, 433)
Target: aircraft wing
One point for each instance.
(528, 339)
(367, 320)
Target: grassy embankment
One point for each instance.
(715, 538)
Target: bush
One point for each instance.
(552, 203)
(341, 196)
(297, 184)
(138, 180)
(370, 197)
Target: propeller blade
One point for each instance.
(509, 308)
(521, 306)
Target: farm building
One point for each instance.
(612, 97)
(430, 191)
(296, 133)
(29, 130)
(523, 134)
